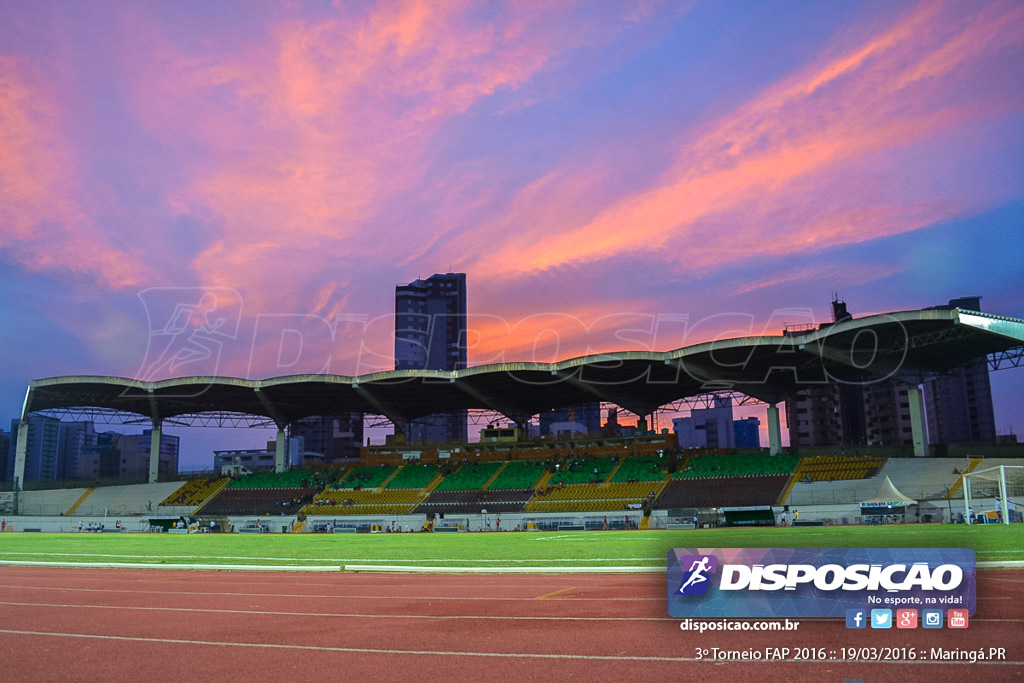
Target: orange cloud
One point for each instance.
(306, 141)
(777, 170)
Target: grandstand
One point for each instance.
(470, 477)
(594, 497)
(293, 479)
(365, 477)
(518, 474)
(576, 484)
(722, 491)
(475, 502)
(123, 500)
(386, 501)
(260, 502)
(195, 492)
(51, 502)
(413, 476)
(918, 478)
(649, 468)
(266, 494)
(740, 465)
(582, 471)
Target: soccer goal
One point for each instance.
(1004, 483)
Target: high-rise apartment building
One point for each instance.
(959, 403)
(430, 334)
(58, 450)
(707, 427)
(748, 432)
(958, 406)
(334, 437)
(44, 455)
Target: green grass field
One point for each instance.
(499, 550)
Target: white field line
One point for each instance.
(327, 596)
(346, 615)
(338, 560)
(407, 569)
(204, 567)
(334, 615)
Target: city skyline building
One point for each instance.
(57, 450)
(707, 427)
(44, 460)
(430, 334)
(957, 406)
(335, 438)
(583, 419)
(747, 432)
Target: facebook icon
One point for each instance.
(856, 618)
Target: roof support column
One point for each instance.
(20, 453)
(774, 430)
(154, 450)
(279, 454)
(918, 431)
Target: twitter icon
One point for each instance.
(881, 618)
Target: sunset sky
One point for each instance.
(610, 175)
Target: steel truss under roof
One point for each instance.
(910, 345)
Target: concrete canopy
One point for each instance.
(905, 344)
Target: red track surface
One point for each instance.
(150, 625)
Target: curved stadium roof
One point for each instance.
(909, 345)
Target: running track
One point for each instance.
(153, 625)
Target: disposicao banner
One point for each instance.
(816, 582)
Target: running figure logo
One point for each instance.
(188, 329)
(695, 580)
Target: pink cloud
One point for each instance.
(305, 141)
(779, 169)
(47, 227)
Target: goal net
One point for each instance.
(995, 494)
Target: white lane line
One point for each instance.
(348, 615)
(489, 617)
(463, 653)
(154, 565)
(320, 596)
(338, 560)
(379, 568)
(408, 569)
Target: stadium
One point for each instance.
(579, 528)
